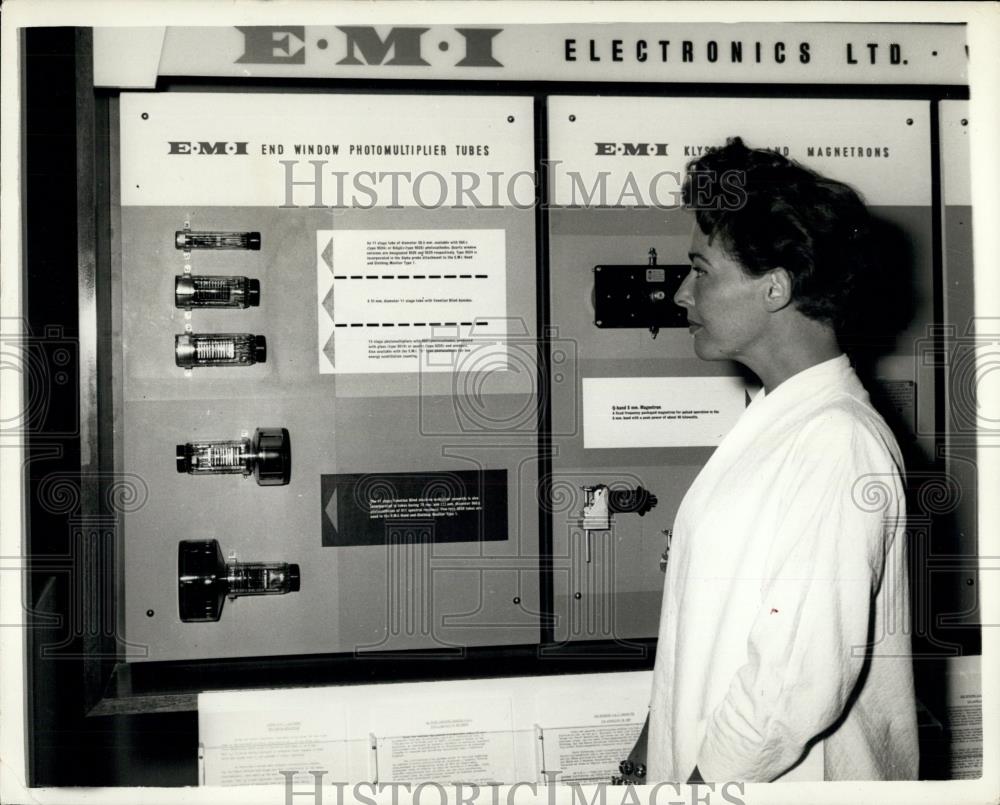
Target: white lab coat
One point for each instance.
(788, 559)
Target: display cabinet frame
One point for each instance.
(75, 581)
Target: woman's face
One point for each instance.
(725, 305)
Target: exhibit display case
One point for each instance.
(350, 371)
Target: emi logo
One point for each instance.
(632, 149)
(220, 148)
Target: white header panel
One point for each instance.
(781, 52)
(633, 151)
(362, 151)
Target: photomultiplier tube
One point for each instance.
(188, 239)
(205, 579)
(206, 290)
(268, 456)
(219, 349)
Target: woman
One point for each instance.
(784, 650)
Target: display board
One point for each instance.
(396, 293)
(616, 178)
(397, 327)
(357, 409)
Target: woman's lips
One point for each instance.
(693, 327)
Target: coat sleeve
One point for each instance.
(806, 648)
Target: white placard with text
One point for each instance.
(660, 411)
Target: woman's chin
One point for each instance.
(705, 351)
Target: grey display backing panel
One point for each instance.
(352, 599)
(963, 416)
(617, 595)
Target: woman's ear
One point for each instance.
(777, 289)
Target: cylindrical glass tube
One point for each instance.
(268, 456)
(234, 457)
(205, 580)
(259, 578)
(219, 349)
(188, 239)
(205, 290)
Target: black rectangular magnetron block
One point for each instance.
(638, 296)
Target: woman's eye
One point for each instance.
(697, 271)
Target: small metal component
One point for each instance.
(596, 513)
(665, 556)
(268, 457)
(205, 579)
(596, 509)
(602, 502)
(211, 291)
(188, 239)
(640, 296)
(631, 501)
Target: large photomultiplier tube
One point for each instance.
(205, 579)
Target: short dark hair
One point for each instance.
(768, 211)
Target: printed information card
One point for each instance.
(391, 508)
(660, 411)
(411, 300)
(569, 728)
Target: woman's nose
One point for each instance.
(683, 295)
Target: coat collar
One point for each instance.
(819, 380)
(794, 398)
